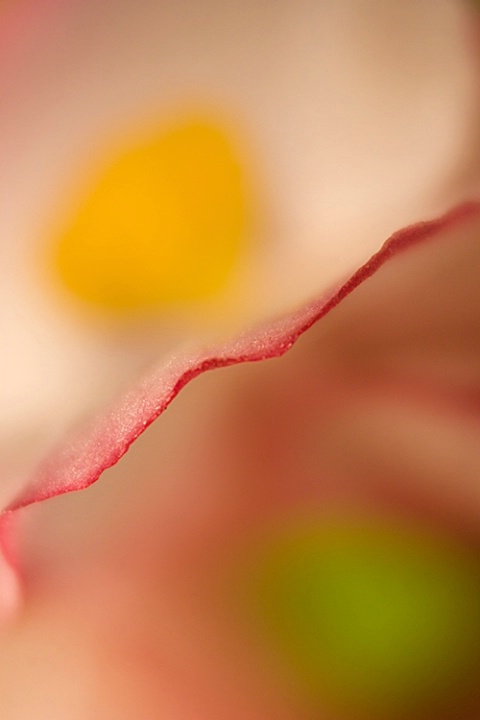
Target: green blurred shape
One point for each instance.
(378, 620)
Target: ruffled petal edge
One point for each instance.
(81, 459)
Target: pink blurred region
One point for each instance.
(22, 24)
(121, 613)
(374, 411)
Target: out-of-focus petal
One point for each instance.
(339, 424)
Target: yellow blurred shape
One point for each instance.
(162, 225)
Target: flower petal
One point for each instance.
(253, 444)
(56, 103)
(325, 108)
(79, 462)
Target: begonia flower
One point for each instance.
(342, 129)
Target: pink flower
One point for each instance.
(123, 613)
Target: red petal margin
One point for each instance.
(79, 462)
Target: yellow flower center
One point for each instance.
(163, 223)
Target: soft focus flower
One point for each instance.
(345, 129)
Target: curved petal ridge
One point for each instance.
(81, 459)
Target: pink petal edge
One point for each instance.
(79, 462)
